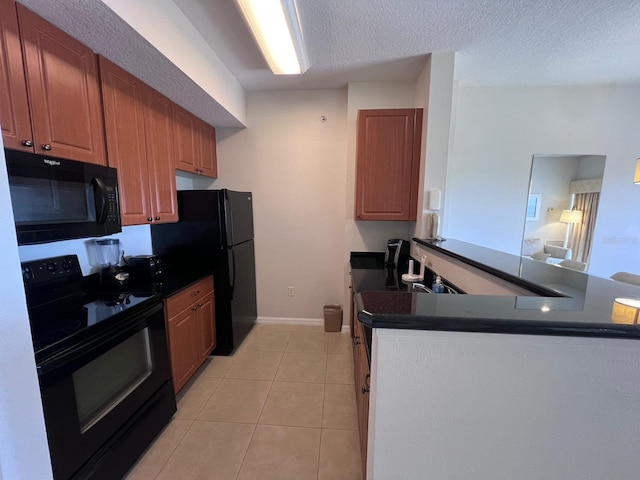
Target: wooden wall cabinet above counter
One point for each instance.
(388, 164)
(49, 89)
(140, 145)
(51, 103)
(195, 144)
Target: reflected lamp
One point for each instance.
(571, 216)
(625, 311)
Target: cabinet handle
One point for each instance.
(356, 340)
(149, 219)
(157, 218)
(46, 146)
(199, 305)
(366, 387)
(197, 292)
(195, 307)
(27, 143)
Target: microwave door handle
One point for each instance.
(100, 194)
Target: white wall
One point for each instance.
(294, 163)
(434, 93)
(456, 405)
(497, 131)
(24, 452)
(164, 25)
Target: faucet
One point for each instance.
(420, 286)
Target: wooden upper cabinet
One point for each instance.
(122, 94)
(14, 106)
(140, 145)
(388, 164)
(186, 139)
(194, 144)
(208, 156)
(64, 91)
(160, 151)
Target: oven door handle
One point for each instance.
(112, 337)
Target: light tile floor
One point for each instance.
(282, 407)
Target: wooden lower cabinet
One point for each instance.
(191, 327)
(362, 383)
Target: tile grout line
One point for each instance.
(172, 451)
(255, 426)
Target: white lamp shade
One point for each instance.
(636, 179)
(571, 216)
(625, 311)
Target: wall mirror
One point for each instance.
(566, 191)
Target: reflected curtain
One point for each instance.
(582, 233)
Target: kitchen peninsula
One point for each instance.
(539, 383)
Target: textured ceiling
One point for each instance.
(498, 42)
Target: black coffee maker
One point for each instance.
(397, 254)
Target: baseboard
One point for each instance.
(291, 321)
(296, 321)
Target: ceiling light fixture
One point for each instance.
(275, 24)
(636, 179)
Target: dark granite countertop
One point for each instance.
(569, 303)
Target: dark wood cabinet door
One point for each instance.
(124, 120)
(388, 164)
(14, 106)
(186, 142)
(160, 157)
(182, 347)
(206, 327)
(64, 92)
(361, 373)
(208, 161)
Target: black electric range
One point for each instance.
(64, 311)
(103, 369)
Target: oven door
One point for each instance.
(58, 199)
(90, 391)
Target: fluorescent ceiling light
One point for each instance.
(276, 27)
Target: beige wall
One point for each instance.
(294, 163)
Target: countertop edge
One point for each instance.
(532, 287)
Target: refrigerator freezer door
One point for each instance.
(238, 212)
(243, 289)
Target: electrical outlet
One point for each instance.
(290, 291)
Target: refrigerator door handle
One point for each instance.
(232, 281)
(228, 218)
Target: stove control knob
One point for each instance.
(26, 273)
(66, 265)
(52, 266)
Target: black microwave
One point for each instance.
(58, 199)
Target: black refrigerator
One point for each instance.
(215, 234)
